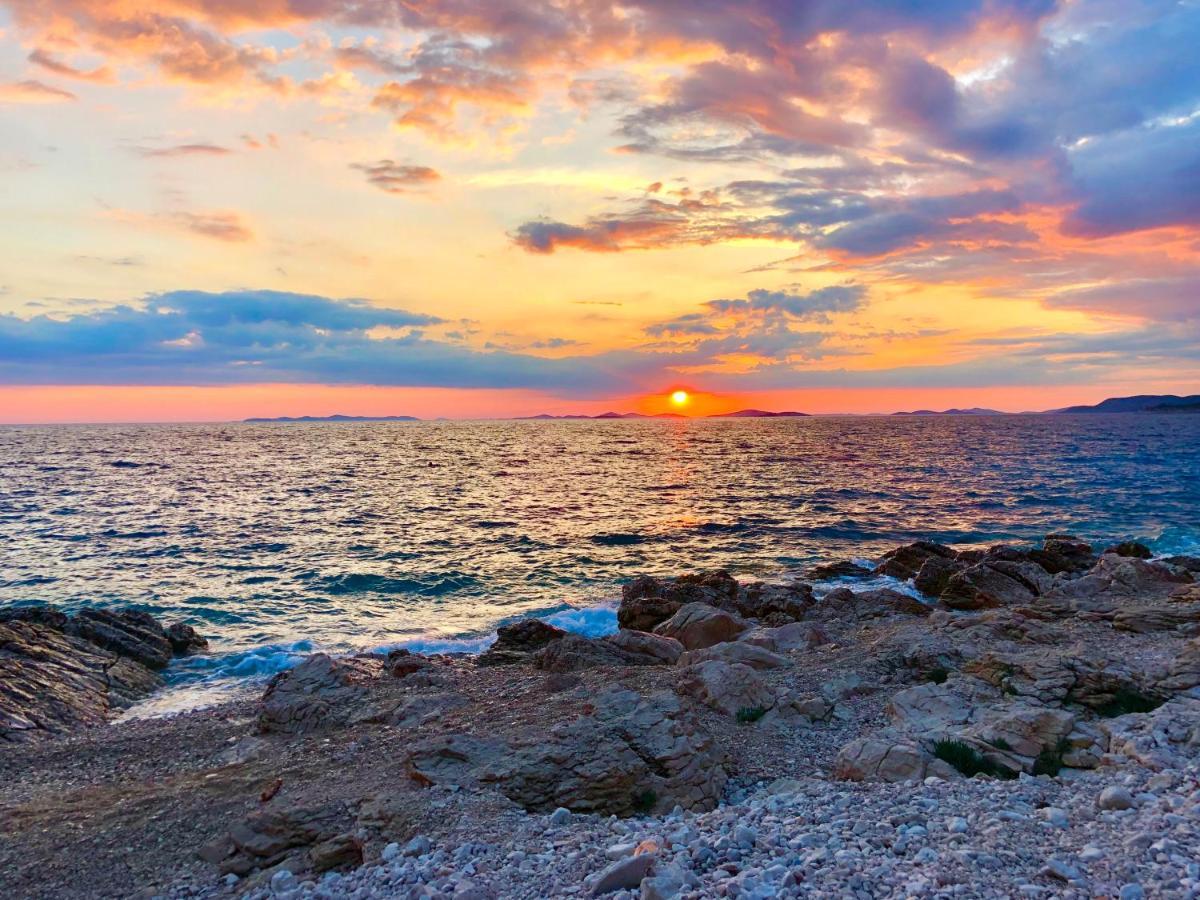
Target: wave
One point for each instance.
(362, 583)
(619, 539)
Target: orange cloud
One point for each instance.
(31, 91)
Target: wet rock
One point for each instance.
(842, 569)
(321, 692)
(185, 640)
(130, 633)
(516, 642)
(37, 614)
(1187, 563)
(935, 574)
(698, 625)
(984, 586)
(647, 601)
(773, 604)
(1064, 553)
(841, 604)
(1130, 548)
(905, 562)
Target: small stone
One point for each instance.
(957, 825)
(418, 846)
(1060, 870)
(620, 851)
(745, 837)
(560, 816)
(1091, 853)
(1132, 891)
(1056, 816)
(390, 852)
(1114, 797)
(624, 874)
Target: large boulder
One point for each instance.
(842, 604)
(1114, 583)
(887, 757)
(698, 625)
(626, 648)
(793, 636)
(322, 692)
(185, 640)
(302, 839)
(731, 688)
(130, 633)
(984, 586)
(905, 562)
(1157, 617)
(1063, 553)
(935, 574)
(773, 604)
(514, 643)
(1165, 738)
(739, 652)
(52, 683)
(646, 601)
(631, 754)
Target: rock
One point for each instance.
(1115, 797)
(268, 837)
(1166, 738)
(1063, 553)
(883, 758)
(663, 650)
(1130, 548)
(624, 874)
(746, 654)
(403, 663)
(984, 586)
(1056, 868)
(632, 754)
(560, 816)
(728, 688)
(647, 601)
(1187, 563)
(514, 643)
(842, 603)
(52, 682)
(1055, 816)
(793, 636)
(698, 625)
(935, 574)
(1113, 584)
(1160, 617)
(38, 614)
(185, 640)
(905, 562)
(128, 633)
(842, 569)
(626, 648)
(321, 692)
(418, 846)
(773, 604)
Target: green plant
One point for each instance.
(1125, 701)
(1050, 760)
(968, 761)
(748, 714)
(1001, 744)
(939, 675)
(643, 801)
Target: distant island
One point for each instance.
(757, 414)
(335, 418)
(973, 411)
(1140, 403)
(1143, 403)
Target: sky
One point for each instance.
(212, 209)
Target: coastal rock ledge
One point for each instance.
(59, 673)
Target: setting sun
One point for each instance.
(679, 398)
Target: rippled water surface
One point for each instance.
(278, 538)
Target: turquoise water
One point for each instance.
(277, 539)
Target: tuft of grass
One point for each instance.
(939, 675)
(749, 714)
(1001, 744)
(968, 761)
(643, 801)
(1128, 701)
(1050, 760)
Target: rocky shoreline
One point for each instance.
(1030, 727)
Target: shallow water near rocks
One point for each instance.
(277, 540)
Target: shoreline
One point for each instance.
(750, 740)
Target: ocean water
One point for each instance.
(275, 540)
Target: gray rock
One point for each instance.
(624, 874)
(1115, 797)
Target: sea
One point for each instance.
(276, 540)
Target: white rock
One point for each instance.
(1115, 797)
(390, 852)
(957, 825)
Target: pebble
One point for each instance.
(1115, 797)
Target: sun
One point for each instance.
(679, 398)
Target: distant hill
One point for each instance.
(973, 411)
(606, 415)
(1140, 403)
(336, 418)
(757, 414)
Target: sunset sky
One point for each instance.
(212, 209)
